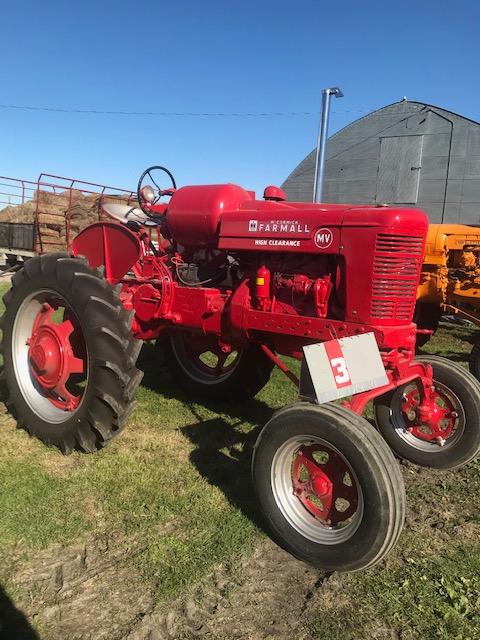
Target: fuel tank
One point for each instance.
(194, 212)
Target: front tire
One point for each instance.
(330, 489)
(69, 355)
(452, 438)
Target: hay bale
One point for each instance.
(50, 233)
(83, 210)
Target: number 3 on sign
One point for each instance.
(339, 368)
(340, 371)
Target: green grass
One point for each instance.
(177, 483)
(36, 506)
(423, 597)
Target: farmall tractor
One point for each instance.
(450, 281)
(227, 284)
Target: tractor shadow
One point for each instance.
(223, 444)
(222, 456)
(13, 624)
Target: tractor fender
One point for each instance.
(109, 244)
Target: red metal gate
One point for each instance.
(56, 206)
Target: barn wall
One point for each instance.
(370, 162)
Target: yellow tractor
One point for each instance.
(450, 281)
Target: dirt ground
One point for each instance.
(92, 592)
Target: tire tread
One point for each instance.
(107, 323)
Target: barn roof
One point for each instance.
(372, 160)
(421, 106)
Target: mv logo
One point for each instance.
(252, 225)
(323, 238)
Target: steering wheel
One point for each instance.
(149, 195)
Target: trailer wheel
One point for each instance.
(69, 355)
(329, 487)
(204, 370)
(444, 433)
(427, 315)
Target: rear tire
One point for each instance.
(359, 464)
(101, 338)
(244, 378)
(461, 393)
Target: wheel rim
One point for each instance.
(427, 422)
(317, 490)
(49, 356)
(203, 359)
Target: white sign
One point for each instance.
(340, 368)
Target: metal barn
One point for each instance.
(407, 153)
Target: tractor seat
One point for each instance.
(128, 213)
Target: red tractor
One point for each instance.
(227, 284)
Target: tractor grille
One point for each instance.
(396, 269)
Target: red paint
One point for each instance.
(109, 244)
(340, 372)
(274, 193)
(318, 482)
(52, 359)
(262, 285)
(429, 414)
(280, 364)
(194, 213)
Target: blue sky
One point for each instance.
(216, 56)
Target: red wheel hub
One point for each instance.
(52, 360)
(430, 414)
(324, 483)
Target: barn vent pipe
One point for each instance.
(322, 141)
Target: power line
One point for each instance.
(193, 114)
